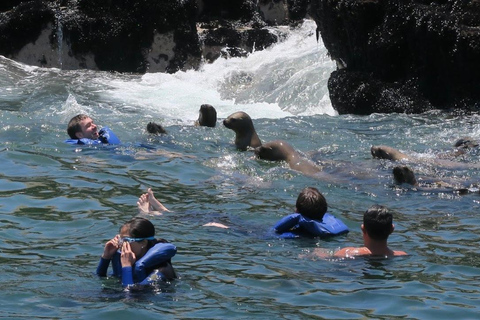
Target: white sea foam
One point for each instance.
(287, 79)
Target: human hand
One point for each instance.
(111, 247)
(127, 257)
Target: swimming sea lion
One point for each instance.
(207, 116)
(245, 134)
(466, 143)
(462, 145)
(154, 128)
(279, 150)
(403, 174)
(385, 152)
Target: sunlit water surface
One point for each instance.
(59, 204)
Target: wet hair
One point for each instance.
(139, 227)
(311, 203)
(377, 221)
(74, 125)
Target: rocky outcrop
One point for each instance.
(138, 35)
(401, 56)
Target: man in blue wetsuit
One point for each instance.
(82, 130)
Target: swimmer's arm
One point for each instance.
(319, 253)
(127, 276)
(103, 267)
(344, 252)
(326, 254)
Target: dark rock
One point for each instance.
(401, 56)
(24, 25)
(134, 35)
(230, 41)
(7, 5)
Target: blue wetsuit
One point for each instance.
(145, 269)
(295, 225)
(106, 136)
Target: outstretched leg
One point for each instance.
(143, 205)
(155, 205)
(147, 203)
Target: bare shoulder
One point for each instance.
(352, 252)
(319, 253)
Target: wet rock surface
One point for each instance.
(401, 56)
(138, 35)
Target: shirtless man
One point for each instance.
(377, 226)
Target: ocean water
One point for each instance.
(59, 203)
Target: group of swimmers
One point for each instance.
(138, 258)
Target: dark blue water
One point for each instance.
(59, 204)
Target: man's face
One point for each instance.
(89, 129)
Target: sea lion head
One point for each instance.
(155, 128)
(207, 116)
(466, 143)
(403, 174)
(238, 122)
(245, 134)
(277, 150)
(385, 152)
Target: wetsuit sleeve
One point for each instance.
(287, 223)
(103, 267)
(127, 276)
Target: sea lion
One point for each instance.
(403, 174)
(207, 116)
(245, 134)
(385, 152)
(279, 150)
(462, 146)
(154, 128)
(466, 143)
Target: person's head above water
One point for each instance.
(138, 232)
(378, 222)
(82, 126)
(311, 203)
